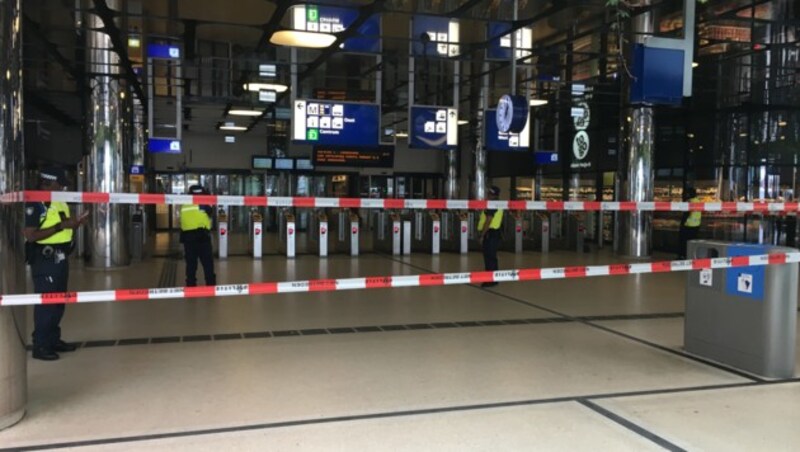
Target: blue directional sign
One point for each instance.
(501, 141)
(164, 146)
(165, 51)
(326, 123)
(433, 128)
(435, 36)
(746, 282)
(499, 36)
(330, 19)
(545, 157)
(137, 169)
(657, 75)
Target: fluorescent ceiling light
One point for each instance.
(244, 112)
(782, 124)
(265, 87)
(134, 43)
(695, 64)
(463, 122)
(307, 39)
(538, 102)
(232, 128)
(401, 135)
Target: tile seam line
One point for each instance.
(631, 426)
(606, 329)
(388, 415)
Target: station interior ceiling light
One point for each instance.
(232, 127)
(463, 122)
(538, 102)
(256, 87)
(306, 39)
(244, 112)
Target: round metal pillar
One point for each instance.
(13, 357)
(108, 157)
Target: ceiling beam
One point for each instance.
(37, 33)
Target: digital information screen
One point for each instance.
(383, 157)
(262, 162)
(433, 128)
(164, 146)
(284, 164)
(499, 141)
(330, 19)
(303, 164)
(499, 36)
(335, 123)
(443, 34)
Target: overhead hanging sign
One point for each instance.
(499, 36)
(505, 141)
(335, 123)
(331, 19)
(164, 146)
(164, 51)
(512, 113)
(545, 157)
(382, 157)
(435, 36)
(433, 128)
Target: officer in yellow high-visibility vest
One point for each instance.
(196, 238)
(48, 236)
(489, 225)
(690, 223)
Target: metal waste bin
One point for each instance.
(745, 317)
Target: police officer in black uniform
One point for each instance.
(48, 235)
(196, 224)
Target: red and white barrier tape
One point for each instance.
(381, 282)
(370, 203)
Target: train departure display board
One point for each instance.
(381, 157)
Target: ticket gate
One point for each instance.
(257, 235)
(576, 232)
(288, 235)
(319, 234)
(339, 231)
(455, 232)
(222, 234)
(513, 232)
(387, 233)
(427, 232)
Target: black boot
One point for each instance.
(45, 354)
(62, 346)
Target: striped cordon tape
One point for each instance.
(370, 203)
(381, 282)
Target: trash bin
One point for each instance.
(745, 317)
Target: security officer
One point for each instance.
(489, 224)
(48, 235)
(690, 223)
(196, 239)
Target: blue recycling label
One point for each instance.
(746, 281)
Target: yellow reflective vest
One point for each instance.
(694, 218)
(51, 219)
(192, 218)
(497, 220)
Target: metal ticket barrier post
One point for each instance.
(463, 233)
(397, 238)
(513, 232)
(222, 234)
(436, 233)
(406, 237)
(388, 233)
(289, 235)
(323, 235)
(545, 228)
(137, 234)
(355, 232)
(257, 234)
(745, 317)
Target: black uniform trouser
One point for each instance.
(48, 276)
(197, 246)
(491, 243)
(685, 235)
